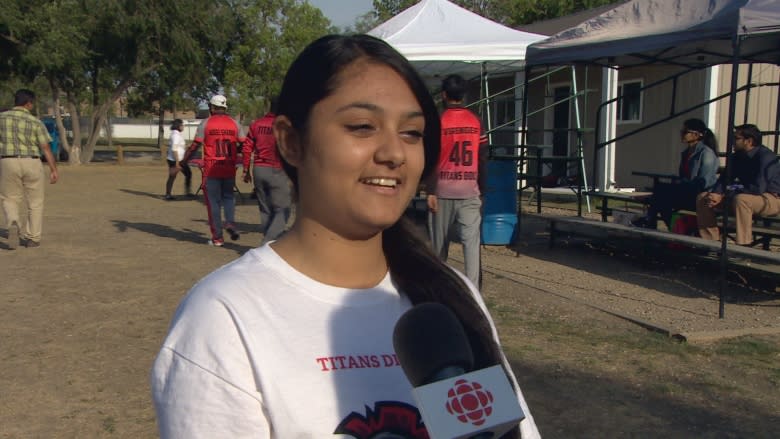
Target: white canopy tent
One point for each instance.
(441, 38)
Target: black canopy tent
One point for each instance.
(687, 33)
(691, 33)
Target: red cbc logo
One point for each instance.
(469, 402)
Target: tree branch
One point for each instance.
(11, 39)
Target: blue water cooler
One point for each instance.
(499, 213)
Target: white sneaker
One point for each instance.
(216, 242)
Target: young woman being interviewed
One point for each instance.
(294, 339)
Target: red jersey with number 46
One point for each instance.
(461, 136)
(221, 137)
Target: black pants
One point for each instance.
(185, 169)
(668, 197)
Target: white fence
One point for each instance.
(136, 130)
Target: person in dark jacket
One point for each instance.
(698, 173)
(754, 187)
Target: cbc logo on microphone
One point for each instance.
(469, 402)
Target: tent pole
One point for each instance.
(749, 80)
(777, 121)
(487, 104)
(522, 145)
(609, 84)
(729, 149)
(579, 139)
(712, 81)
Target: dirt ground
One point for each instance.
(83, 317)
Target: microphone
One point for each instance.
(455, 402)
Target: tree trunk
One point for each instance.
(97, 120)
(74, 157)
(99, 116)
(109, 133)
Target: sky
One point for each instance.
(343, 12)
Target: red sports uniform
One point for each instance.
(219, 135)
(458, 168)
(262, 142)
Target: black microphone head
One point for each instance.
(429, 339)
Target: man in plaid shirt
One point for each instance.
(23, 140)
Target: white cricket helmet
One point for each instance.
(218, 101)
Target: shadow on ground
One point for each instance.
(239, 199)
(185, 235)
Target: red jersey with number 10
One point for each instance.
(221, 136)
(461, 135)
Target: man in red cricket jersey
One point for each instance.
(455, 190)
(221, 137)
(271, 183)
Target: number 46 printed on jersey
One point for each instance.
(462, 154)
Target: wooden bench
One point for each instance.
(638, 198)
(605, 230)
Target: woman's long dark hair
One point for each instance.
(707, 136)
(415, 269)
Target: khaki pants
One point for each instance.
(743, 206)
(23, 179)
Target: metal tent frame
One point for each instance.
(694, 34)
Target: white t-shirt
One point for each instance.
(257, 349)
(176, 143)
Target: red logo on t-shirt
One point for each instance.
(469, 402)
(388, 419)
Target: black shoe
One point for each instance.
(234, 236)
(31, 244)
(170, 197)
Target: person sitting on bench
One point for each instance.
(698, 173)
(754, 188)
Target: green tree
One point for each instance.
(363, 23)
(93, 51)
(515, 13)
(386, 9)
(273, 33)
(38, 45)
(508, 12)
